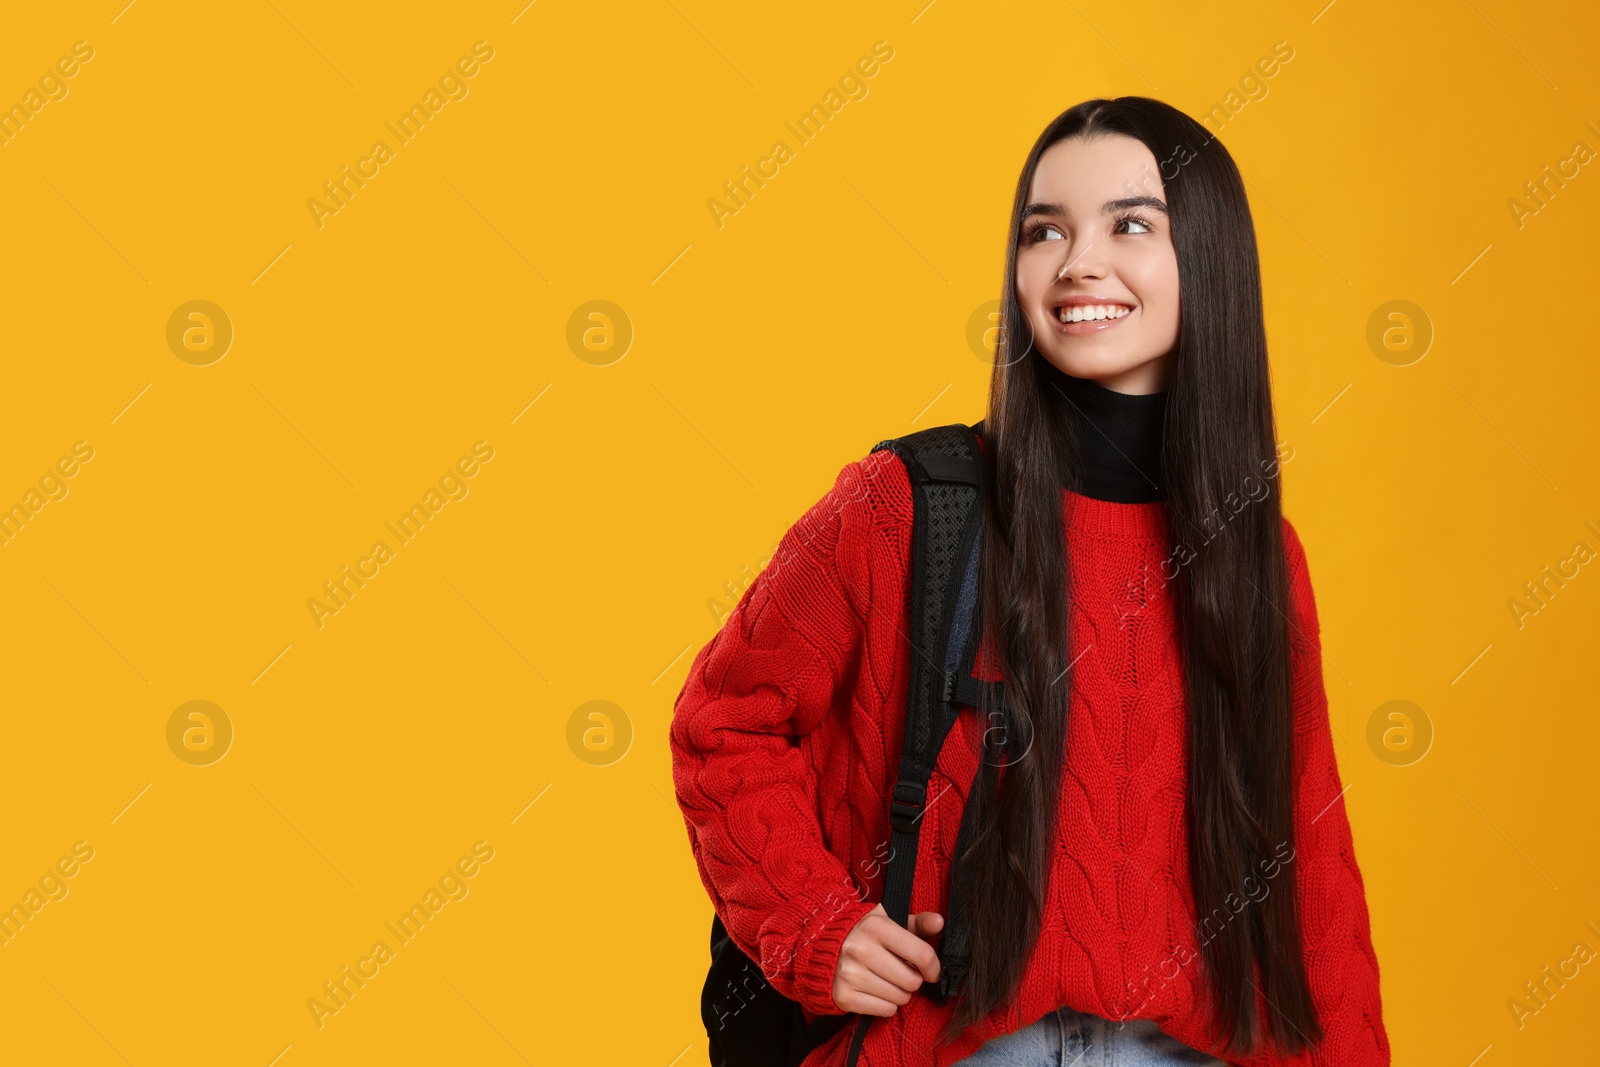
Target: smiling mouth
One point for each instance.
(1091, 312)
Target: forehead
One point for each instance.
(1081, 173)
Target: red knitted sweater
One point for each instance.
(785, 745)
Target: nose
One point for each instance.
(1082, 263)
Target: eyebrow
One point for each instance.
(1047, 208)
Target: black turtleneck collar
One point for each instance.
(1119, 437)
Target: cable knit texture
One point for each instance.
(785, 745)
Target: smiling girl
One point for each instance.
(1162, 869)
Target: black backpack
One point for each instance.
(750, 1024)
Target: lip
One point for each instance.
(1080, 329)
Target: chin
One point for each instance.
(1083, 361)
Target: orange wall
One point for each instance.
(434, 320)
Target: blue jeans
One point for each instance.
(1069, 1038)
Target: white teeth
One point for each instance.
(1091, 312)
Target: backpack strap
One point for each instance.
(963, 690)
(945, 467)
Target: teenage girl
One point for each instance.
(1164, 871)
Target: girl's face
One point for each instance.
(1096, 246)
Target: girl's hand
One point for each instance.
(881, 963)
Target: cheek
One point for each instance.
(1033, 281)
(1025, 283)
(1155, 282)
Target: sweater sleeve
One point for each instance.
(780, 665)
(1340, 961)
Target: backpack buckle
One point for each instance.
(905, 810)
(952, 973)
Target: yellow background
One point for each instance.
(621, 506)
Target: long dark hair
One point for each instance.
(1230, 587)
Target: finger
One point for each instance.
(926, 923)
(914, 951)
(863, 1004)
(863, 979)
(891, 966)
(864, 927)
